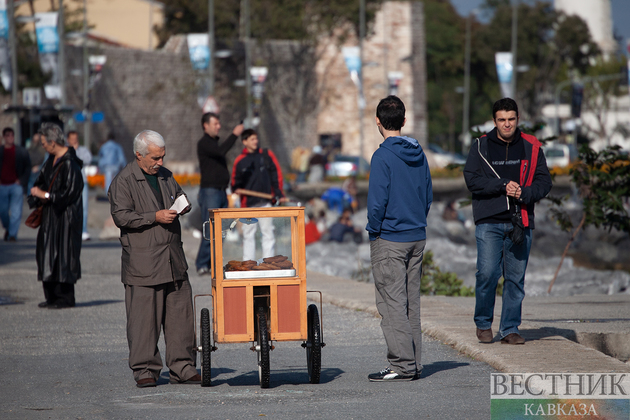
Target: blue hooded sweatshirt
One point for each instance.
(400, 192)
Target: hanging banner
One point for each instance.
(352, 57)
(200, 59)
(258, 75)
(48, 47)
(5, 58)
(199, 51)
(505, 72)
(394, 78)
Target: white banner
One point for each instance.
(505, 72)
(199, 51)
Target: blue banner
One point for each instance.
(46, 31)
(199, 51)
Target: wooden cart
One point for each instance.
(259, 305)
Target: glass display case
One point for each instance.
(258, 261)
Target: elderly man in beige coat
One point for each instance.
(154, 269)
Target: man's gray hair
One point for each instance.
(53, 133)
(144, 138)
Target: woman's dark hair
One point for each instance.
(391, 113)
(505, 104)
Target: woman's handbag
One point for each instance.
(35, 218)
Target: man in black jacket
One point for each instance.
(506, 172)
(215, 176)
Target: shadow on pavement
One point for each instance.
(435, 367)
(98, 303)
(279, 377)
(546, 332)
(101, 244)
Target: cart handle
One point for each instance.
(203, 230)
(321, 313)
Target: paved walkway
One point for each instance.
(551, 327)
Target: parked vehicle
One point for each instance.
(444, 158)
(344, 166)
(558, 155)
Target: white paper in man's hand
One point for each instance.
(180, 204)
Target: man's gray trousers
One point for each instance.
(397, 268)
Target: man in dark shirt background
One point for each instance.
(15, 169)
(215, 176)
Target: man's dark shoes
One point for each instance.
(484, 336)
(59, 305)
(513, 338)
(43, 304)
(194, 380)
(389, 375)
(146, 383)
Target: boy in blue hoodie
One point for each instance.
(399, 197)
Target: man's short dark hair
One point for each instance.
(111, 136)
(205, 118)
(505, 104)
(7, 130)
(248, 133)
(391, 113)
(71, 132)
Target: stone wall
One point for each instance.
(396, 43)
(308, 90)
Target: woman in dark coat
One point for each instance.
(59, 236)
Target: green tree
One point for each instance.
(445, 68)
(549, 43)
(270, 19)
(603, 182)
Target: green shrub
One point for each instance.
(436, 282)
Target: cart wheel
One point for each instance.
(263, 344)
(314, 345)
(206, 347)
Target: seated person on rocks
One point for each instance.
(343, 229)
(337, 199)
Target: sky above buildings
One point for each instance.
(620, 11)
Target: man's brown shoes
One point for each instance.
(146, 383)
(484, 336)
(513, 338)
(194, 380)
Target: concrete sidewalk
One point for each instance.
(552, 327)
(583, 333)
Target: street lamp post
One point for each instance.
(245, 33)
(211, 47)
(361, 97)
(466, 116)
(86, 81)
(62, 54)
(514, 45)
(14, 70)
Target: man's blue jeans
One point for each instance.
(11, 200)
(208, 198)
(497, 256)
